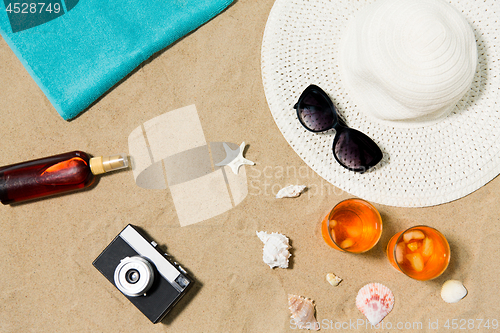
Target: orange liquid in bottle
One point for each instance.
(420, 252)
(53, 175)
(45, 176)
(354, 225)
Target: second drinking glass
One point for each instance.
(420, 252)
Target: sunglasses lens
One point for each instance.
(315, 112)
(356, 151)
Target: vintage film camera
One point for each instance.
(143, 274)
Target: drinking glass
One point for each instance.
(353, 225)
(420, 252)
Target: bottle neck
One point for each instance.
(103, 164)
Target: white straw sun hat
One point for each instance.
(420, 77)
(409, 61)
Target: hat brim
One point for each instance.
(423, 165)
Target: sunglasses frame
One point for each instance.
(339, 125)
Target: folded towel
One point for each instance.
(77, 50)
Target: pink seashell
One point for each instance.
(303, 312)
(375, 301)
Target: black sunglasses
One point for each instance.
(351, 148)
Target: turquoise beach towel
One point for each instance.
(76, 50)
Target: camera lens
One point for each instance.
(132, 276)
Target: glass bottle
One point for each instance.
(54, 174)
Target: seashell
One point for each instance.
(453, 291)
(275, 252)
(333, 279)
(375, 301)
(291, 191)
(302, 310)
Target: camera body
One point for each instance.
(143, 274)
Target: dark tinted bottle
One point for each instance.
(53, 175)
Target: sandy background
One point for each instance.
(47, 278)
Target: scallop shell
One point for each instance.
(291, 191)
(302, 310)
(375, 301)
(453, 291)
(275, 252)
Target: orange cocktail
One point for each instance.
(420, 252)
(353, 225)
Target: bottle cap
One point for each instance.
(102, 164)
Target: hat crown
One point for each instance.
(408, 61)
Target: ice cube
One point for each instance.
(400, 253)
(413, 234)
(346, 243)
(416, 261)
(354, 232)
(413, 246)
(427, 247)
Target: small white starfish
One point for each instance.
(234, 158)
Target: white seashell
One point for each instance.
(453, 291)
(291, 191)
(375, 301)
(333, 279)
(275, 252)
(302, 310)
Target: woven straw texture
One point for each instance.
(422, 165)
